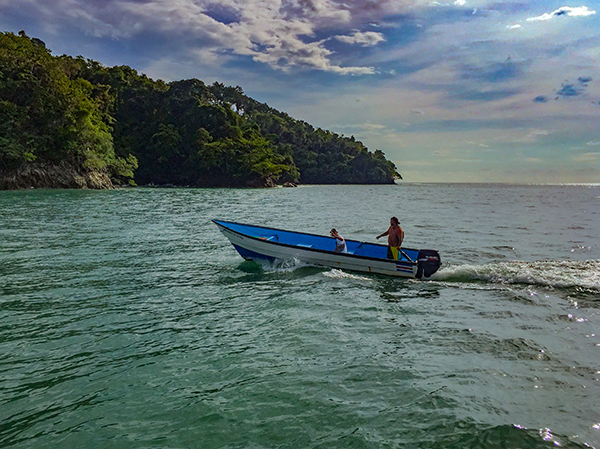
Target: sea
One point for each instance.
(128, 321)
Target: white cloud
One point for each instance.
(370, 127)
(581, 11)
(513, 27)
(367, 39)
(274, 32)
(267, 31)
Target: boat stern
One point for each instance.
(428, 262)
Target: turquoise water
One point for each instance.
(128, 321)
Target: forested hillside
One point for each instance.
(115, 123)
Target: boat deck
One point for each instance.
(316, 242)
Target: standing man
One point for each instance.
(395, 237)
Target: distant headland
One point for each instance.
(70, 122)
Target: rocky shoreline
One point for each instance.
(53, 176)
(44, 175)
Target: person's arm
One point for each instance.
(383, 235)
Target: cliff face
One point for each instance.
(53, 176)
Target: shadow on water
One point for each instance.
(251, 268)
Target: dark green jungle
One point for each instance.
(63, 113)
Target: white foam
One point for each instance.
(339, 274)
(280, 265)
(553, 274)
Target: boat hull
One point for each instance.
(255, 247)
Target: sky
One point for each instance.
(457, 91)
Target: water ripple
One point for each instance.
(127, 320)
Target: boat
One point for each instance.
(257, 243)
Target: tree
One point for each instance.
(48, 117)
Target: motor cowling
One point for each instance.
(428, 262)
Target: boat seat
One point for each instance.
(303, 245)
(274, 238)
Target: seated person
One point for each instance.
(340, 243)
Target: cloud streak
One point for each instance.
(581, 11)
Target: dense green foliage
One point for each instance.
(46, 116)
(180, 133)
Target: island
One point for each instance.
(70, 122)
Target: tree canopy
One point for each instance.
(143, 131)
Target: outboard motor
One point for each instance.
(428, 262)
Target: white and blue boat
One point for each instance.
(262, 243)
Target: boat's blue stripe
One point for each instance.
(247, 254)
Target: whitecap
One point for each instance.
(553, 274)
(339, 274)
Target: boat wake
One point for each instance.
(569, 274)
(339, 274)
(293, 264)
(280, 265)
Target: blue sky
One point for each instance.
(460, 91)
